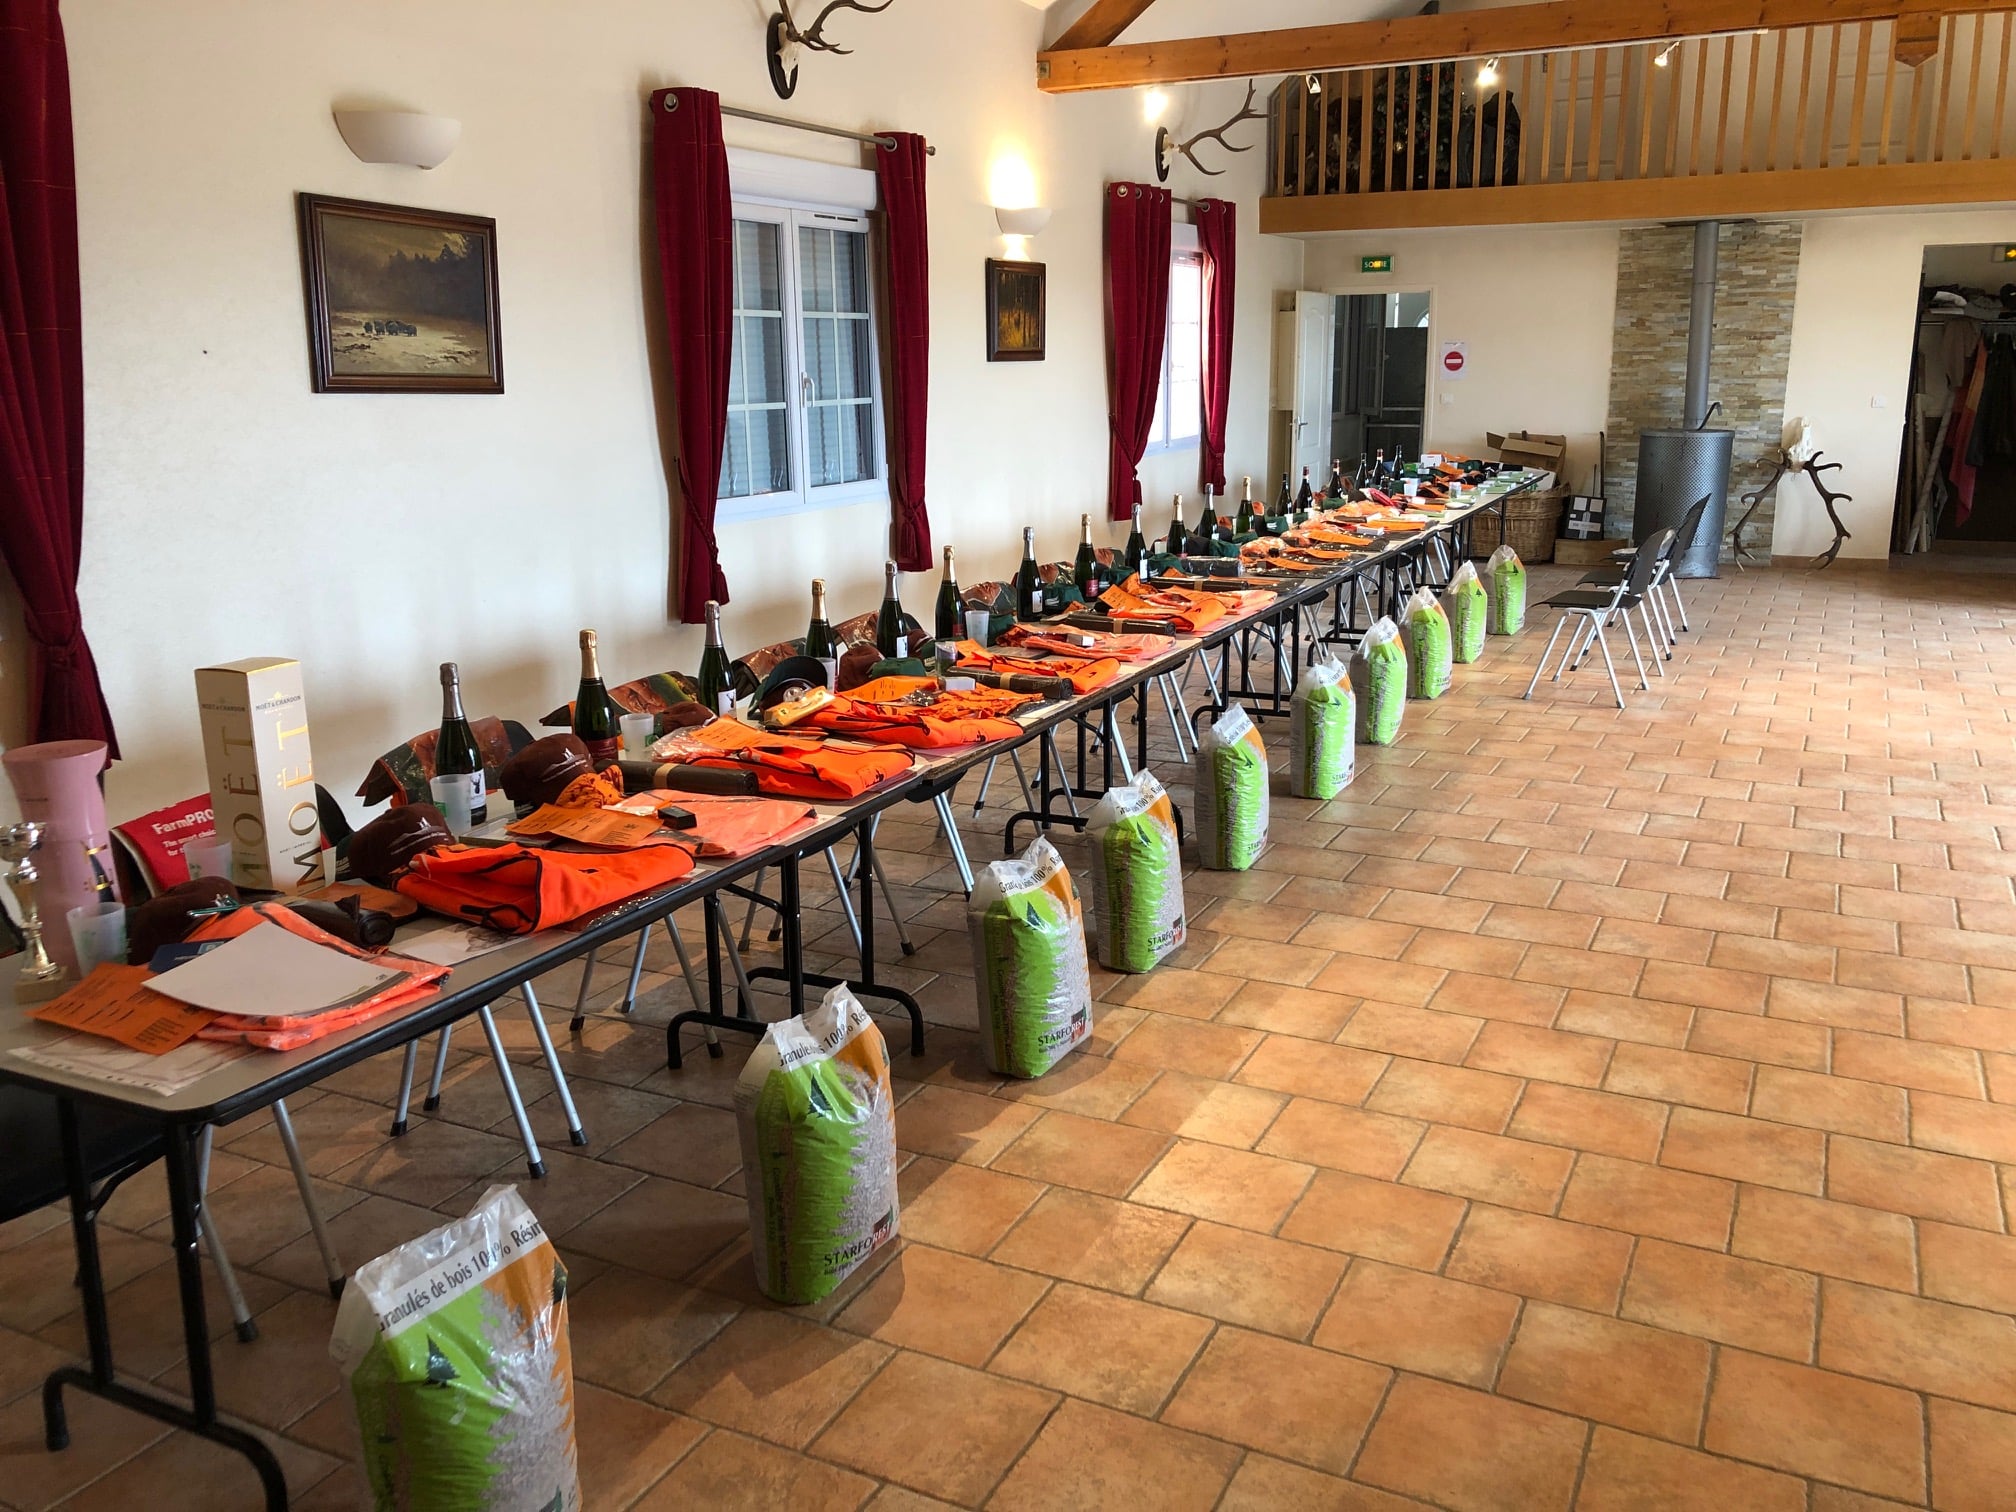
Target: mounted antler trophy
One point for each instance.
(1166, 146)
(785, 40)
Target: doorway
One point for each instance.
(1379, 376)
(1956, 484)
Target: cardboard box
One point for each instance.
(1585, 553)
(262, 774)
(1546, 454)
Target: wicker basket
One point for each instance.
(1531, 521)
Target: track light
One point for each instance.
(1659, 59)
(1312, 83)
(1487, 76)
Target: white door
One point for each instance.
(1315, 342)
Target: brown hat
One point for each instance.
(388, 844)
(168, 916)
(542, 771)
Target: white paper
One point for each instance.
(268, 972)
(103, 1060)
(452, 944)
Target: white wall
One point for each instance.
(1537, 308)
(231, 512)
(1853, 323)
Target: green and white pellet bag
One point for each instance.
(1137, 877)
(1379, 680)
(1323, 747)
(1230, 802)
(1505, 582)
(1028, 935)
(453, 1349)
(1424, 630)
(1468, 607)
(817, 1119)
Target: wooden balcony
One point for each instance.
(1805, 120)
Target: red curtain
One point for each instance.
(42, 374)
(696, 267)
(1218, 240)
(1137, 325)
(907, 237)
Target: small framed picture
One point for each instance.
(1016, 315)
(400, 300)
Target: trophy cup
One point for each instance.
(41, 978)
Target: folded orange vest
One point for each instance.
(791, 765)
(1120, 645)
(1085, 674)
(519, 891)
(916, 712)
(1191, 609)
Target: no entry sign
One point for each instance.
(1455, 359)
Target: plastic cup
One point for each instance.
(210, 858)
(1411, 487)
(98, 930)
(977, 621)
(451, 796)
(639, 730)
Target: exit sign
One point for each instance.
(2005, 254)
(1380, 264)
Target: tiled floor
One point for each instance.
(1587, 1109)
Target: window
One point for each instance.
(804, 430)
(1179, 406)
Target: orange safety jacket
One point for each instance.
(1085, 674)
(1123, 646)
(520, 890)
(793, 765)
(916, 712)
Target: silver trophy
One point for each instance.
(41, 978)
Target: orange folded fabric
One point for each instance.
(1085, 674)
(1191, 609)
(793, 765)
(1124, 646)
(727, 827)
(918, 713)
(519, 890)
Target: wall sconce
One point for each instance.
(398, 136)
(1659, 58)
(1487, 76)
(1026, 221)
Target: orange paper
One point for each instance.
(115, 1002)
(590, 826)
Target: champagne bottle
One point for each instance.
(1242, 523)
(819, 643)
(1137, 547)
(1379, 468)
(951, 625)
(1286, 500)
(1200, 539)
(458, 766)
(1086, 572)
(1028, 582)
(717, 678)
(594, 722)
(1178, 541)
(1304, 497)
(890, 637)
(1336, 488)
(1364, 474)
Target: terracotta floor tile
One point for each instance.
(1445, 1094)
(1895, 973)
(1629, 1127)
(1343, 1139)
(959, 1207)
(1180, 991)
(1264, 961)
(1628, 1473)
(1745, 1149)
(1112, 1461)
(956, 1125)
(1967, 1266)
(1766, 1308)
(1705, 986)
(1961, 1126)
(1199, 1107)
(1335, 1073)
(1654, 942)
(1650, 1200)
(1227, 1186)
(1465, 952)
(1299, 1011)
(1541, 926)
(1179, 1044)
(1818, 1423)
(1545, 1054)
(1773, 958)
(628, 1330)
(1908, 1063)
(1420, 1322)
(1251, 920)
(1983, 1028)
(1292, 1400)
(1386, 981)
(935, 1427)
(1076, 1236)
(1918, 1182)
(1720, 915)
(1513, 1458)
(1263, 1484)
(1421, 1033)
(1509, 1172)
(945, 1304)
(725, 1467)
(1376, 938)
(663, 1228)
(1744, 1036)
(1840, 1007)
(1495, 998)
(1644, 1379)
(1934, 1347)
(1830, 1238)
(1257, 1282)
(1064, 1149)
(1623, 1018)
(1093, 1085)
(1868, 1110)
(1703, 1081)
(1973, 1457)
(1102, 1347)
(1375, 1218)
(772, 1376)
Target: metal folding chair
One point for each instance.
(1589, 610)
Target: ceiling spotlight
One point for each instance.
(1659, 58)
(1312, 83)
(1487, 76)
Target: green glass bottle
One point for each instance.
(819, 642)
(1087, 573)
(1137, 546)
(1028, 581)
(890, 638)
(951, 617)
(717, 678)
(1207, 527)
(1242, 523)
(594, 720)
(1178, 540)
(458, 764)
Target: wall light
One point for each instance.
(398, 136)
(1659, 58)
(1025, 220)
(1487, 76)
(1154, 103)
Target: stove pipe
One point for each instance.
(1701, 322)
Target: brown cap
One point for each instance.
(541, 772)
(387, 845)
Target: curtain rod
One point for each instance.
(887, 143)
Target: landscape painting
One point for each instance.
(400, 300)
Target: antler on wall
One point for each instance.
(785, 38)
(1165, 144)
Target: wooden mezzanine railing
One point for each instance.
(1817, 118)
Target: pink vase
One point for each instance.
(56, 786)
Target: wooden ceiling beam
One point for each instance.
(1550, 26)
(1102, 22)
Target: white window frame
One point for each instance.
(1183, 249)
(800, 498)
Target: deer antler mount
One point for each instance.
(1166, 146)
(785, 40)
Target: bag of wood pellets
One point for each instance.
(1424, 631)
(1028, 935)
(1468, 607)
(1505, 583)
(1322, 745)
(1229, 809)
(817, 1119)
(1379, 682)
(1137, 876)
(454, 1350)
